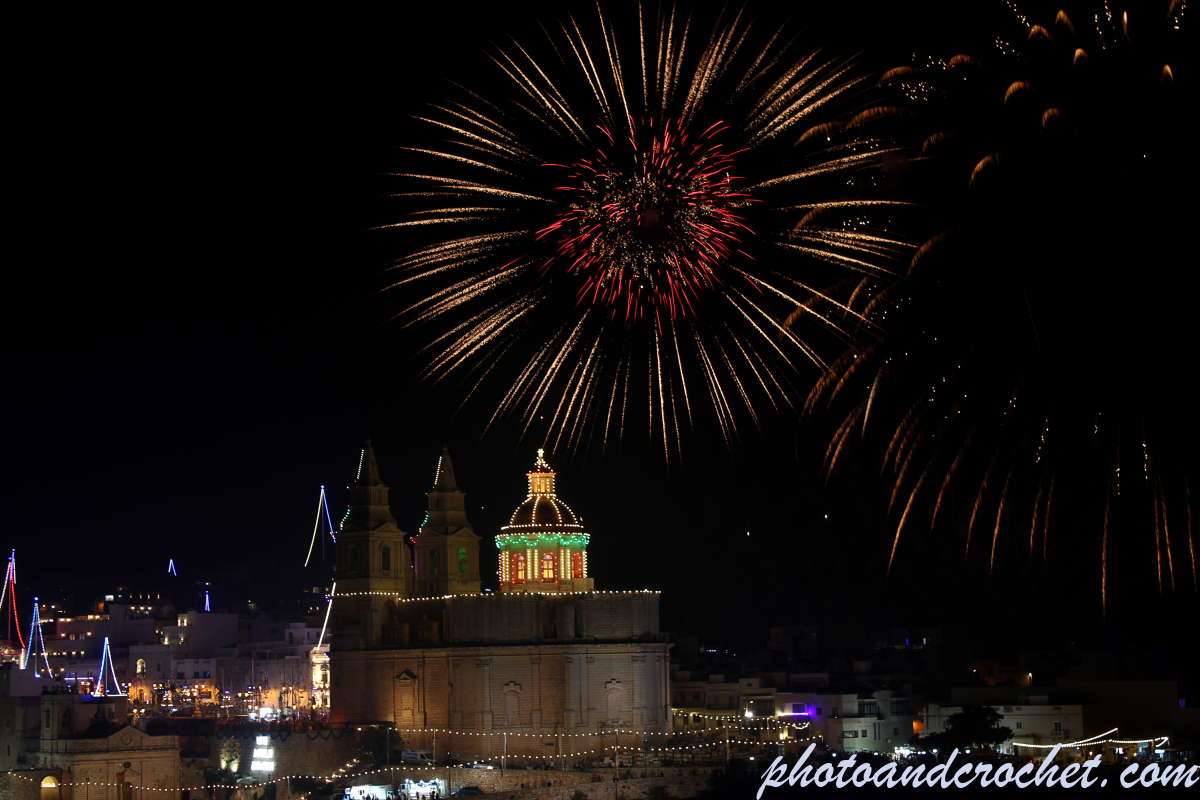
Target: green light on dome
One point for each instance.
(522, 540)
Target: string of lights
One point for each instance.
(400, 599)
(341, 772)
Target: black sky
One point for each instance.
(193, 346)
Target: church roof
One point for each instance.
(542, 510)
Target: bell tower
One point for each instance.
(372, 561)
(447, 549)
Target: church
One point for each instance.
(548, 666)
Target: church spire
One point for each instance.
(368, 469)
(368, 495)
(446, 551)
(447, 512)
(445, 472)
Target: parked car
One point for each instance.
(483, 765)
(467, 791)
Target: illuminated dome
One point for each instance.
(543, 548)
(542, 510)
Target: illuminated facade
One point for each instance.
(543, 548)
(456, 670)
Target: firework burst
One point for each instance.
(615, 238)
(1029, 370)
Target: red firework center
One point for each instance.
(651, 220)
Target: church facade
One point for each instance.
(546, 667)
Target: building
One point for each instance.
(548, 657)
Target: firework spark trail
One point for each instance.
(683, 380)
(1162, 500)
(812, 355)
(750, 364)
(1033, 525)
(978, 502)
(999, 511)
(904, 516)
(950, 473)
(717, 393)
(912, 452)
(661, 404)
(1157, 541)
(608, 417)
(1046, 527)
(1104, 554)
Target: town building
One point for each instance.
(417, 646)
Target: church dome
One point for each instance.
(542, 510)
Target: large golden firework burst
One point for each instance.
(612, 233)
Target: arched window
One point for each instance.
(433, 562)
(462, 561)
(141, 667)
(547, 566)
(352, 558)
(577, 565)
(385, 558)
(518, 568)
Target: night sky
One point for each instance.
(194, 345)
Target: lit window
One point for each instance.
(577, 565)
(518, 567)
(462, 561)
(547, 566)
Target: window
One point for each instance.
(820, 711)
(462, 561)
(901, 707)
(850, 734)
(352, 558)
(695, 696)
(1020, 725)
(1058, 725)
(895, 731)
(871, 708)
(196, 674)
(864, 735)
(833, 711)
(207, 674)
(433, 562)
(547, 566)
(577, 565)
(518, 568)
(385, 558)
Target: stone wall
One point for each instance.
(678, 783)
(26, 784)
(544, 696)
(298, 753)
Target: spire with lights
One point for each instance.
(446, 551)
(543, 548)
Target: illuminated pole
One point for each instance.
(617, 757)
